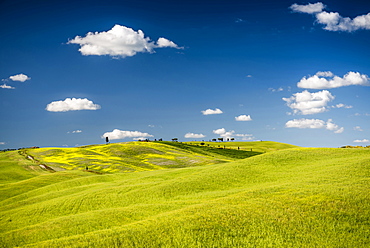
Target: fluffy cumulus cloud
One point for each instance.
(314, 124)
(120, 41)
(119, 134)
(333, 21)
(163, 42)
(212, 111)
(306, 103)
(243, 118)
(327, 80)
(70, 104)
(5, 86)
(231, 134)
(19, 77)
(194, 136)
(310, 8)
(362, 141)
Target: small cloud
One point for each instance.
(314, 124)
(163, 42)
(230, 134)
(276, 90)
(2, 143)
(327, 80)
(5, 86)
(249, 76)
(333, 21)
(19, 77)
(243, 118)
(238, 20)
(362, 141)
(219, 131)
(194, 136)
(358, 128)
(341, 105)
(310, 8)
(212, 111)
(118, 134)
(245, 136)
(306, 103)
(119, 42)
(71, 104)
(77, 131)
(324, 74)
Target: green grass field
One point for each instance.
(300, 197)
(144, 156)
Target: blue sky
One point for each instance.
(74, 72)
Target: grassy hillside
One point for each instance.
(15, 167)
(288, 198)
(133, 156)
(256, 146)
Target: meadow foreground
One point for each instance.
(298, 197)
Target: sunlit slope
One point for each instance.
(15, 167)
(256, 146)
(128, 157)
(289, 198)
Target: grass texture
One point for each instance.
(303, 197)
(136, 156)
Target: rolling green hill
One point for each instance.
(256, 146)
(303, 197)
(135, 156)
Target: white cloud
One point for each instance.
(76, 131)
(306, 103)
(230, 134)
(314, 124)
(70, 104)
(243, 118)
(245, 136)
(333, 21)
(324, 74)
(2, 143)
(327, 80)
(118, 134)
(219, 131)
(358, 128)
(341, 105)
(358, 114)
(5, 86)
(249, 76)
(310, 8)
(276, 90)
(163, 42)
(212, 111)
(194, 135)
(120, 41)
(19, 77)
(362, 141)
